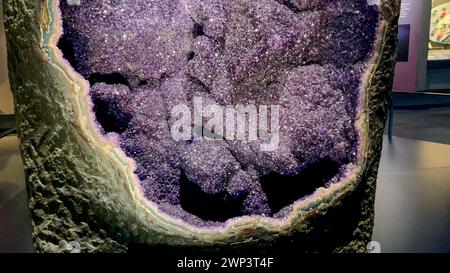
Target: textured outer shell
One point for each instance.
(76, 187)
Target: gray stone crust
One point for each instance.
(76, 191)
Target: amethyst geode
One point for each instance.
(326, 65)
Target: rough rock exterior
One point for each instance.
(80, 191)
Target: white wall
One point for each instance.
(411, 76)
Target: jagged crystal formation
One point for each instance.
(143, 57)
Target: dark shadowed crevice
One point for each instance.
(143, 83)
(289, 5)
(197, 30)
(67, 50)
(190, 55)
(71, 53)
(74, 46)
(198, 82)
(109, 110)
(110, 116)
(111, 78)
(283, 190)
(209, 207)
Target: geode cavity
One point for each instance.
(144, 57)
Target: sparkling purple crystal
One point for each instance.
(144, 57)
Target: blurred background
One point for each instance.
(15, 228)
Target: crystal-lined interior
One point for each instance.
(143, 57)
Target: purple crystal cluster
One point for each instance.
(143, 57)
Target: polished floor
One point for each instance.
(412, 204)
(412, 211)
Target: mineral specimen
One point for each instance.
(315, 73)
